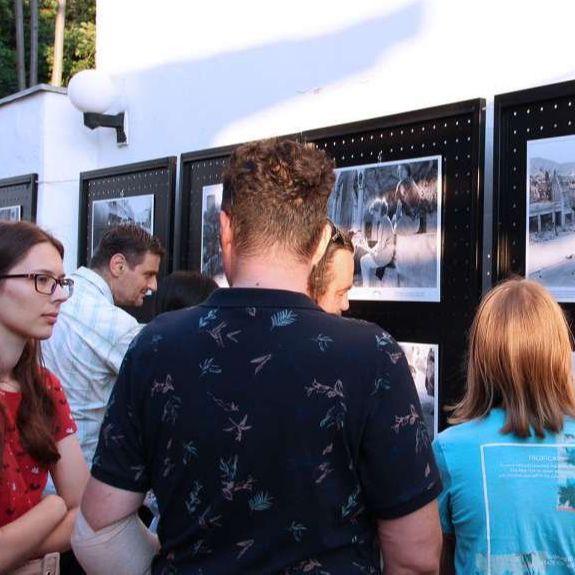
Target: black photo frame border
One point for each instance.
(534, 113)
(164, 209)
(446, 322)
(22, 191)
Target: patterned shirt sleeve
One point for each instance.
(120, 456)
(396, 462)
(64, 424)
(445, 496)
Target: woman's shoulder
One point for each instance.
(472, 431)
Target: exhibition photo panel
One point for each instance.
(550, 244)
(534, 188)
(392, 211)
(18, 197)
(423, 362)
(212, 264)
(10, 213)
(112, 212)
(142, 194)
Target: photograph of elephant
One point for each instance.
(393, 213)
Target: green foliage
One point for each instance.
(79, 40)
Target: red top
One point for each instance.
(22, 480)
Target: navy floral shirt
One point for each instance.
(274, 436)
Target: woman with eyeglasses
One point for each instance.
(36, 428)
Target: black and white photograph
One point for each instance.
(550, 249)
(393, 213)
(128, 210)
(422, 359)
(10, 213)
(211, 252)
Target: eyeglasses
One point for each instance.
(45, 283)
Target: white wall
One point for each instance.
(42, 133)
(200, 74)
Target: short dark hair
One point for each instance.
(130, 240)
(322, 273)
(276, 192)
(183, 289)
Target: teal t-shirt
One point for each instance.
(509, 502)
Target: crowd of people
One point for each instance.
(262, 431)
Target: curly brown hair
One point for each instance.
(275, 193)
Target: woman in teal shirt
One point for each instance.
(508, 467)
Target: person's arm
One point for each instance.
(21, 539)
(411, 545)
(70, 475)
(109, 536)
(103, 505)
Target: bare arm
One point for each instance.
(103, 505)
(411, 545)
(21, 539)
(70, 475)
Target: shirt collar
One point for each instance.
(96, 280)
(258, 297)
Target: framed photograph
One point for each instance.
(111, 212)
(423, 361)
(211, 251)
(550, 241)
(18, 197)
(393, 212)
(10, 213)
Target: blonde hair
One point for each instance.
(520, 360)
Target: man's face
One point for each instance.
(335, 299)
(133, 285)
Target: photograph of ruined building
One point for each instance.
(550, 255)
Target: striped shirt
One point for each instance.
(86, 350)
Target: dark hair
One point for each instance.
(36, 415)
(130, 240)
(322, 273)
(183, 289)
(275, 192)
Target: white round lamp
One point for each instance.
(93, 92)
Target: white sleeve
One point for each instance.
(123, 548)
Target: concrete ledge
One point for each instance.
(31, 91)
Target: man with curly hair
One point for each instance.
(277, 438)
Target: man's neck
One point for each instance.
(271, 272)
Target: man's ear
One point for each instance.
(322, 245)
(226, 234)
(117, 265)
(226, 244)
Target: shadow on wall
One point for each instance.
(183, 106)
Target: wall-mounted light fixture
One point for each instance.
(93, 92)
